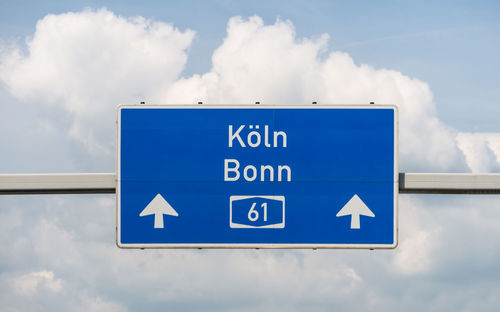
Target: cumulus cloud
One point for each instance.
(267, 63)
(437, 259)
(84, 64)
(419, 236)
(41, 291)
(28, 284)
(98, 304)
(481, 150)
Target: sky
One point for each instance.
(64, 67)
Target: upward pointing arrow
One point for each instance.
(355, 207)
(158, 206)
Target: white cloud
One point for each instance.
(73, 237)
(419, 236)
(267, 63)
(98, 304)
(481, 150)
(29, 284)
(82, 65)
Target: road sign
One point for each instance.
(202, 176)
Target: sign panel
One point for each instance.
(257, 176)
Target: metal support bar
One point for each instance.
(98, 183)
(62, 183)
(449, 183)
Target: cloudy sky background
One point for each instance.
(65, 67)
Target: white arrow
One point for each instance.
(158, 206)
(355, 207)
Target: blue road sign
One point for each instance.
(257, 176)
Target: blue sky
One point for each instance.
(63, 74)
(452, 45)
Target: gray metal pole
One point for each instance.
(98, 183)
(62, 183)
(449, 183)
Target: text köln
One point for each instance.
(253, 136)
